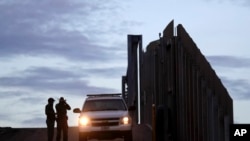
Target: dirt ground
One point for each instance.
(140, 133)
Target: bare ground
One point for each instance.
(140, 133)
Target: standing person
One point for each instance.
(50, 121)
(62, 119)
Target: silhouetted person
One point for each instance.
(50, 121)
(62, 119)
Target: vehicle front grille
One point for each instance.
(100, 119)
(105, 122)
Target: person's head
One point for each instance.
(62, 100)
(51, 100)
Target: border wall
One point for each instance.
(191, 102)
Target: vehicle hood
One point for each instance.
(105, 114)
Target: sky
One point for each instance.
(70, 48)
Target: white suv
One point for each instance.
(104, 116)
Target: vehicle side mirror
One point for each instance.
(131, 108)
(77, 110)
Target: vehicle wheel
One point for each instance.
(82, 137)
(128, 136)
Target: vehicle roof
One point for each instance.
(107, 97)
(104, 96)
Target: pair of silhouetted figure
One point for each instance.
(60, 117)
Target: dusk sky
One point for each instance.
(70, 48)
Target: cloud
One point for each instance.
(238, 88)
(242, 2)
(67, 29)
(234, 80)
(86, 38)
(229, 61)
(21, 105)
(109, 72)
(237, 2)
(31, 121)
(44, 79)
(59, 29)
(26, 92)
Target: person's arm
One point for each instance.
(67, 106)
(46, 110)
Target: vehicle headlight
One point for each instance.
(125, 120)
(84, 121)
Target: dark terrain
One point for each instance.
(140, 133)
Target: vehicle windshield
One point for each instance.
(104, 104)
